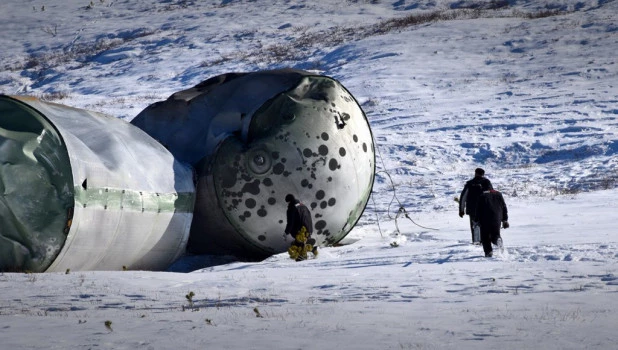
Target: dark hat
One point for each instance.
(289, 198)
(479, 172)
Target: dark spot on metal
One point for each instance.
(283, 160)
(355, 138)
(323, 204)
(267, 182)
(252, 187)
(364, 147)
(324, 136)
(320, 225)
(314, 205)
(261, 238)
(281, 221)
(323, 150)
(250, 203)
(320, 195)
(332, 202)
(262, 212)
(247, 214)
(287, 173)
(304, 183)
(342, 152)
(333, 164)
(307, 153)
(275, 155)
(272, 201)
(278, 169)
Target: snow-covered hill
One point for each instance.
(525, 89)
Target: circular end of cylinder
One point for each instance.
(323, 155)
(36, 189)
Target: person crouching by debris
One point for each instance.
(468, 198)
(300, 226)
(491, 212)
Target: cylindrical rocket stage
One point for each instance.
(83, 191)
(255, 137)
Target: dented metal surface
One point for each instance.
(96, 203)
(253, 138)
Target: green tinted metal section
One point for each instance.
(36, 189)
(123, 199)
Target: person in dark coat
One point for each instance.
(491, 212)
(299, 216)
(468, 198)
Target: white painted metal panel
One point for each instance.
(133, 202)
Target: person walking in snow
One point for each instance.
(491, 212)
(468, 198)
(300, 226)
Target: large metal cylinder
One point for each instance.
(84, 191)
(255, 137)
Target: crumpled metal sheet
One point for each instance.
(132, 201)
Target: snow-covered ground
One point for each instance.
(527, 91)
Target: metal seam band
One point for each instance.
(119, 199)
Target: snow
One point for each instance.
(534, 101)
